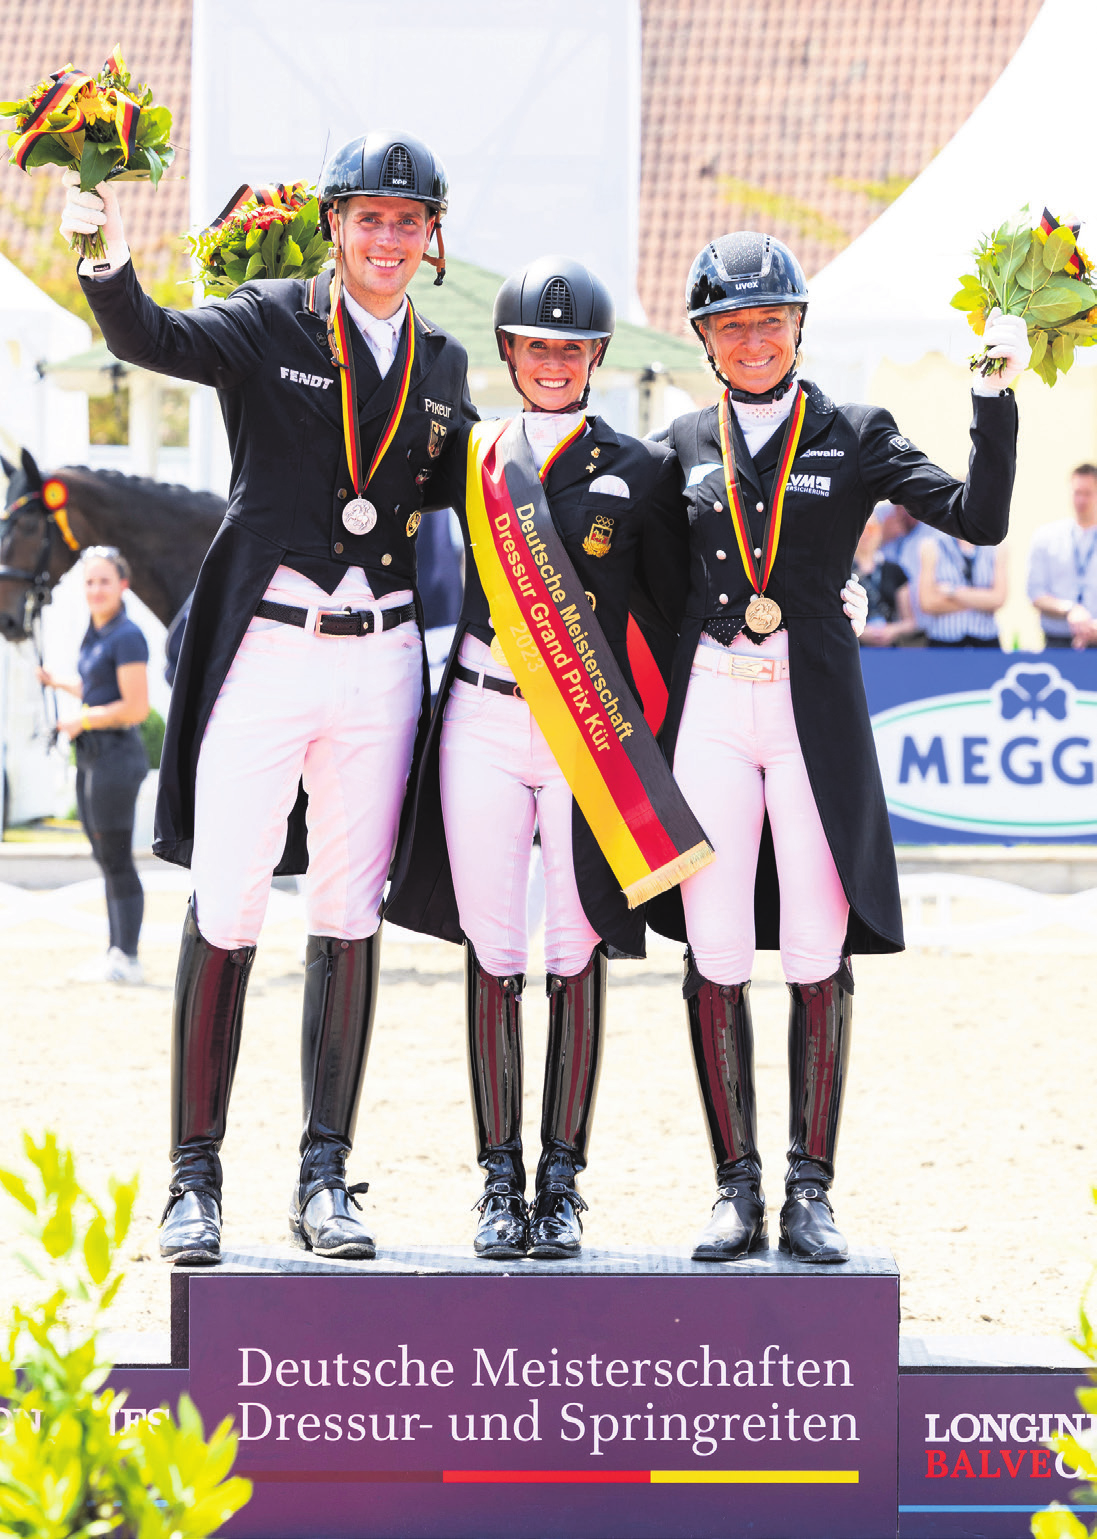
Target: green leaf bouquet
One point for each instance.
(271, 232)
(105, 126)
(1042, 274)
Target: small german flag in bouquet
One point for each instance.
(265, 232)
(105, 126)
(1042, 274)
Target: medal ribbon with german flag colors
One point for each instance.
(568, 675)
(757, 575)
(564, 444)
(344, 357)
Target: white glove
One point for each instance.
(86, 212)
(855, 604)
(1005, 336)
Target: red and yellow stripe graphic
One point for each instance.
(1048, 222)
(558, 1477)
(347, 392)
(759, 575)
(629, 806)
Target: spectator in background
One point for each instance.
(1062, 569)
(904, 537)
(111, 763)
(890, 614)
(961, 588)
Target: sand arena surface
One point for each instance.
(967, 1144)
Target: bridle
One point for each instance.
(51, 499)
(49, 502)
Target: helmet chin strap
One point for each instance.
(555, 411)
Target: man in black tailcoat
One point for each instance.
(301, 672)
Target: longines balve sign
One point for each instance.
(983, 746)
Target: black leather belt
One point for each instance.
(336, 622)
(501, 686)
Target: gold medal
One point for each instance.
(413, 523)
(498, 655)
(763, 615)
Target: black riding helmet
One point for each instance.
(386, 166)
(743, 271)
(555, 296)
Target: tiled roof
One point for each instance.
(38, 37)
(791, 97)
(787, 96)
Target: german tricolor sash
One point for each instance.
(568, 675)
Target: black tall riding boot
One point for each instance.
(577, 1011)
(818, 1058)
(493, 1009)
(336, 1021)
(722, 1038)
(210, 985)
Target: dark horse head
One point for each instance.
(163, 531)
(37, 545)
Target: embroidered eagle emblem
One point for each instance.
(597, 542)
(437, 439)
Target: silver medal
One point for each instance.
(359, 516)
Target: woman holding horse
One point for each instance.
(111, 764)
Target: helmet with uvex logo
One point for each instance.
(742, 271)
(383, 166)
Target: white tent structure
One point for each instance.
(1028, 141)
(33, 413)
(53, 425)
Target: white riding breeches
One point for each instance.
(336, 712)
(737, 757)
(498, 780)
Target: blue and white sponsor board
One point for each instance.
(981, 746)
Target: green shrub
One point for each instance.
(152, 735)
(63, 1473)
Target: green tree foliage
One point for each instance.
(64, 1474)
(777, 208)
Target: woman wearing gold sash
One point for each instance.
(767, 726)
(491, 776)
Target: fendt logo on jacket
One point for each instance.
(299, 377)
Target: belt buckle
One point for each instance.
(364, 628)
(750, 668)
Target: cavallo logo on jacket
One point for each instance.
(1014, 759)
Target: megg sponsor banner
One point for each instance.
(979, 746)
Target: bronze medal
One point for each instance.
(359, 516)
(497, 653)
(763, 614)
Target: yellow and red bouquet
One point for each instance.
(1039, 273)
(105, 126)
(268, 232)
